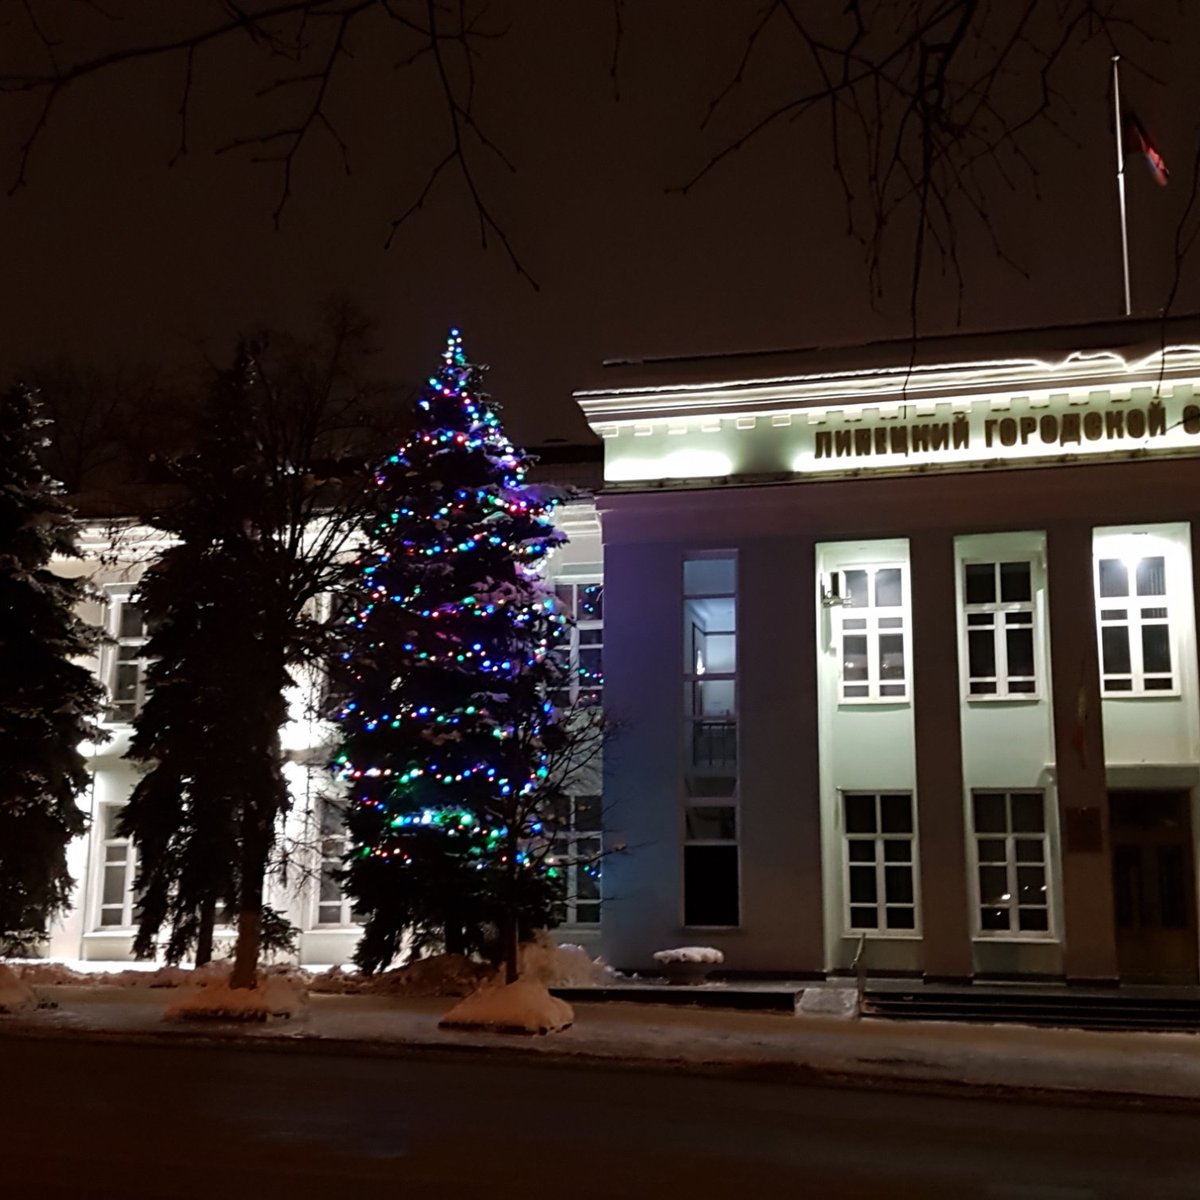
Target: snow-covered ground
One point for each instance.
(16, 996)
(869, 1051)
(273, 997)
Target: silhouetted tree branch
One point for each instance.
(306, 47)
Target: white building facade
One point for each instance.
(901, 646)
(100, 925)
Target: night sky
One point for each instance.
(110, 254)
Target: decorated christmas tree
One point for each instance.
(447, 731)
(48, 700)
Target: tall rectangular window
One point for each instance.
(1136, 657)
(124, 658)
(1000, 635)
(334, 907)
(118, 870)
(1012, 853)
(576, 850)
(880, 862)
(872, 632)
(582, 651)
(710, 854)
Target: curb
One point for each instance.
(515, 1053)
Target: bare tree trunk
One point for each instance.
(204, 938)
(249, 935)
(252, 876)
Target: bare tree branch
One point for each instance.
(313, 39)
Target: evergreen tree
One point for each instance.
(268, 507)
(48, 701)
(447, 727)
(208, 730)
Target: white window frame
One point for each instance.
(1000, 609)
(115, 600)
(879, 838)
(728, 798)
(1133, 623)
(569, 649)
(1014, 933)
(329, 850)
(128, 902)
(566, 854)
(871, 617)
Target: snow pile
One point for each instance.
(336, 982)
(55, 974)
(51, 973)
(689, 954)
(688, 964)
(276, 995)
(16, 996)
(544, 961)
(437, 975)
(521, 1007)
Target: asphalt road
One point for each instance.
(84, 1119)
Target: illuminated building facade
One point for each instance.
(901, 645)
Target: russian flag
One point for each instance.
(1137, 141)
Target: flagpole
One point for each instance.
(1121, 176)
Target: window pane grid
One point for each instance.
(1136, 655)
(125, 673)
(334, 907)
(581, 654)
(118, 871)
(880, 866)
(711, 870)
(873, 634)
(998, 607)
(576, 850)
(1012, 878)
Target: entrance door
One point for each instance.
(1154, 889)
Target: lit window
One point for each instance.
(873, 633)
(118, 870)
(880, 863)
(999, 615)
(1012, 855)
(1135, 629)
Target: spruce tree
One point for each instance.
(48, 700)
(220, 615)
(268, 508)
(447, 728)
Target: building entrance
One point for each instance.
(1154, 889)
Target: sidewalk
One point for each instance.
(1147, 1068)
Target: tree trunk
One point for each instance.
(249, 937)
(204, 937)
(250, 902)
